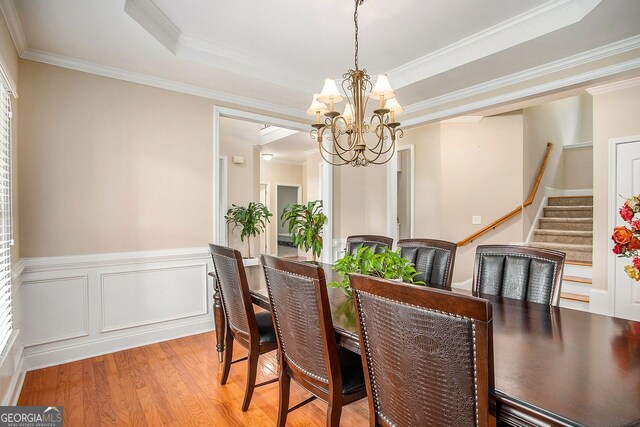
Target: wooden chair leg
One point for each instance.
(333, 414)
(228, 355)
(252, 370)
(283, 402)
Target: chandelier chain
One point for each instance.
(355, 20)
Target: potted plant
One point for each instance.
(387, 264)
(305, 226)
(253, 219)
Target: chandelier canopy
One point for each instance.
(341, 137)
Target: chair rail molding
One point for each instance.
(74, 307)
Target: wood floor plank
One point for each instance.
(91, 414)
(174, 383)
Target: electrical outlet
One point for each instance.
(476, 220)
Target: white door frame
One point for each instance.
(242, 115)
(614, 203)
(277, 214)
(326, 189)
(392, 195)
(267, 195)
(222, 231)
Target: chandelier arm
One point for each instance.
(336, 139)
(336, 154)
(322, 151)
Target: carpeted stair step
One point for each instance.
(568, 212)
(574, 252)
(570, 201)
(575, 224)
(567, 237)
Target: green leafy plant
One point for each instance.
(253, 219)
(387, 264)
(305, 226)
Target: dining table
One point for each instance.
(552, 365)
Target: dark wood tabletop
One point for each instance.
(552, 365)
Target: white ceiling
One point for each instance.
(271, 55)
(293, 148)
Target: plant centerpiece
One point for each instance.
(387, 264)
(627, 244)
(253, 219)
(305, 226)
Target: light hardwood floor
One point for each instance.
(173, 383)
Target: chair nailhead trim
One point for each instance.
(374, 388)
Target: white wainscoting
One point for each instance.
(74, 307)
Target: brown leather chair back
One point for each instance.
(427, 353)
(234, 290)
(519, 272)
(302, 316)
(377, 243)
(433, 260)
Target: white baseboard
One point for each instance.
(73, 352)
(599, 302)
(15, 387)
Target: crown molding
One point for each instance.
(613, 87)
(227, 58)
(151, 18)
(13, 24)
(149, 80)
(464, 119)
(154, 21)
(541, 20)
(556, 85)
(576, 60)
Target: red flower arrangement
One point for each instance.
(625, 239)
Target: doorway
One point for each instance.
(285, 195)
(404, 190)
(624, 180)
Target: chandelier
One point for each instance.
(345, 133)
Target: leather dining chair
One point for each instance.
(306, 339)
(427, 354)
(433, 260)
(254, 331)
(377, 243)
(519, 272)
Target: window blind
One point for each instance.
(6, 315)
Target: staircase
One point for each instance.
(567, 226)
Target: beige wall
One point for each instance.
(426, 146)
(241, 138)
(615, 115)
(577, 168)
(360, 200)
(273, 173)
(312, 177)
(481, 175)
(561, 122)
(462, 169)
(111, 166)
